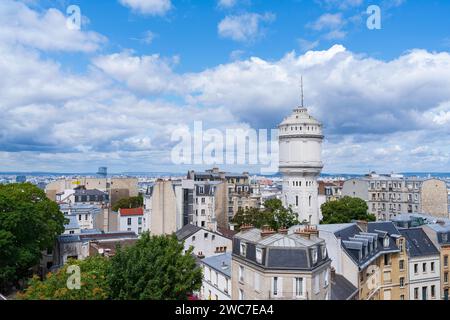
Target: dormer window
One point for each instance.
(259, 255)
(314, 255)
(444, 237)
(243, 249)
(324, 252)
(386, 242)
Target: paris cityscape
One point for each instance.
(226, 150)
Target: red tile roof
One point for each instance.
(132, 212)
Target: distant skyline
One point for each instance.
(112, 93)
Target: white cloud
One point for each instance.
(245, 27)
(149, 7)
(306, 45)
(328, 21)
(44, 31)
(227, 3)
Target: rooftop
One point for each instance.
(131, 212)
(220, 263)
(418, 244)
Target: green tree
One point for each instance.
(29, 224)
(93, 282)
(273, 215)
(129, 203)
(155, 268)
(345, 210)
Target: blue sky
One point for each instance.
(113, 92)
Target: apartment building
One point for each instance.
(133, 220)
(330, 190)
(216, 283)
(267, 265)
(390, 195)
(209, 202)
(206, 243)
(439, 233)
(117, 188)
(78, 246)
(87, 216)
(240, 192)
(371, 256)
(424, 265)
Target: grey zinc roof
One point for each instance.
(187, 231)
(418, 244)
(89, 192)
(388, 227)
(341, 288)
(220, 263)
(277, 239)
(73, 222)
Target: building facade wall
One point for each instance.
(434, 198)
(257, 283)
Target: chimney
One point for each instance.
(246, 227)
(363, 225)
(440, 222)
(267, 231)
(283, 230)
(309, 232)
(333, 274)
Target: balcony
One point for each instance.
(286, 295)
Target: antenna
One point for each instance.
(301, 81)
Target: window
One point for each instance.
(445, 277)
(193, 238)
(241, 294)
(424, 267)
(387, 259)
(298, 285)
(203, 200)
(129, 221)
(416, 268)
(314, 255)
(86, 217)
(325, 278)
(324, 252)
(139, 230)
(257, 287)
(433, 292)
(386, 242)
(296, 201)
(400, 245)
(241, 273)
(243, 249)
(402, 282)
(445, 261)
(140, 220)
(432, 266)
(259, 255)
(316, 284)
(424, 293)
(444, 237)
(416, 293)
(401, 264)
(79, 217)
(203, 212)
(402, 297)
(275, 286)
(205, 235)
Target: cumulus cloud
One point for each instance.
(361, 99)
(244, 27)
(44, 31)
(149, 7)
(227, 3)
